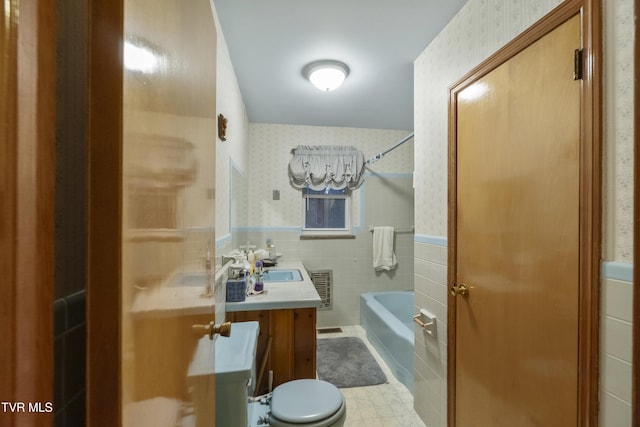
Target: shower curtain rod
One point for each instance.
(382, 154)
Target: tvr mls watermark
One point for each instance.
(31, 407)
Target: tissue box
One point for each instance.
(236, 290)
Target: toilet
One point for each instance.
(299, 403)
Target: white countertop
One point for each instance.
(282, 295)
(169, 300)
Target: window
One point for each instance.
(326, 212)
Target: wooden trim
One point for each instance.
(545, 25)
(106, 21)
(590, 215)
(8, 196)
(635, 398)
(452, 253)
(590, 195)
(27, 212)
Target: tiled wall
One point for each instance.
(69, 360)
(478, 30)
(351, 262)
(430, 361)
(616, 344)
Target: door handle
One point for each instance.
(211, 329)
(460, 289)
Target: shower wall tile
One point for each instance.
(615, 352)
(617, 299)
(430, 354)
(614, 412)
(351, 262)
(617, 337)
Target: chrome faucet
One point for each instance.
(208, 266)
(226, 259)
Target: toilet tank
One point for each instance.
(235, 364)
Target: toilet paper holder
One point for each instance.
(430, 325)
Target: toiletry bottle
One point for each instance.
(249, 282)
(271, 248)
(259, 285)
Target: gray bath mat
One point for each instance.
(346, 362)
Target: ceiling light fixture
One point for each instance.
(326, 75)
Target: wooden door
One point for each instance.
(27, 177)
(152, 212)
(517, 219)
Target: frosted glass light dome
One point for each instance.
(326, 75)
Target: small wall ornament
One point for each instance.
(222, 127)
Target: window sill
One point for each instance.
(326, 236)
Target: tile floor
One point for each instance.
(384, 405)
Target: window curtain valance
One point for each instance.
(321, 166)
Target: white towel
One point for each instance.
(383, 256)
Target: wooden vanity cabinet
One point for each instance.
(286, 344)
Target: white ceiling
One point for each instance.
(270, 42)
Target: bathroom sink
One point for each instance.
(292, 275)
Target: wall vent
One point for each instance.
(322, 280)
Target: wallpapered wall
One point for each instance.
(270, 153)
(481, 28)
(477, 31)
(618, 130)
(235, 149)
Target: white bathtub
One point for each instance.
(387, 319)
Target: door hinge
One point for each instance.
(578, 64)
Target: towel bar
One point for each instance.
(400, 230)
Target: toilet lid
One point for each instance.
(305, 401)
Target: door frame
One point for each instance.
(27, 200)
(590, 196)
(104, 213)
(635, 398)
